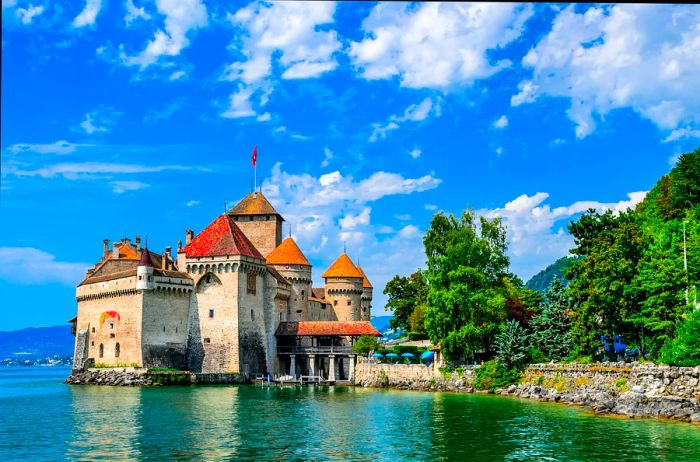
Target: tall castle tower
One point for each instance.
(259, 221)
(366, 308)
(290, 262)
(344, 288)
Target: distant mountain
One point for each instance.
(36, 342)
(541, 280)
(381, 323)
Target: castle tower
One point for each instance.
(259, 221)
(144, 272)
(290, 262)
(366, 308)
(344, 288)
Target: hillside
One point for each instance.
(541, 280)
(36, 342)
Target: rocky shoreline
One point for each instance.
(130, 376)
(634, 391)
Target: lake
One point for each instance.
(44, 419)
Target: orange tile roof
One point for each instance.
(287, 253)
(323, 328)
(365, 282)
(253, 204)
(222, 237)
(343, 267)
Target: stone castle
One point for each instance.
(237, 298)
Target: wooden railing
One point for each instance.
(315, 350)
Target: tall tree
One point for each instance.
(405, 294)
(551, 329)
(467, 271)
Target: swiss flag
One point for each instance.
(255, 155)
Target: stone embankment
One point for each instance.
(639, 390)
(125, 376)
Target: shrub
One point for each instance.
(512, 345)
(494, 374)
(365, 344)
(684, 350)
(622, 385)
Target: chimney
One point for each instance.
(115, 251)
(137, 239)
(179, 245)
(189, 235)
(166, 257)
(105, 249)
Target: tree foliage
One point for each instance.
(467, 271)
(365, 344)
(405, 294)
(684, 350)
(513, 345)
(552, 327)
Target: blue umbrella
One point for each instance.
(377, 355)
(408, 355)
(427, 355)
(392, 355)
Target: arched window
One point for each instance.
(102, 350)
(117, 350)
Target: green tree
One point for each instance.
(513, 345)
(467, 270)
(417, 323)
(405, 294)
(551, 329)
(684, 350)
(365, 344)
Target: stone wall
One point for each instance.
(412, 377)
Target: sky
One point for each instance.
(124, 118)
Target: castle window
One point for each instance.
(140, 277)
(93, 330)
(335, 302)
(112, 335)
(252, 280)
(267, 217)
(102, 350)
(207, 340)
(208, 278)
(349, 302)
(252, 315)
(302, 294)
(111, 326)
(289, 312)
(117, 350)
(211, 313)
(92, 343)
(163, 328)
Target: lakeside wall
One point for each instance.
(127, 376)
(639, 390)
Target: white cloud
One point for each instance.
(57, 147)
(415, 153)
(123, 186)
(403, 217)
(327, 157)
(680, 133)
(88, 170)
(264, 117)
(534, 242)
(181, 17)
(499, 150)
(430, 207)
(89, 13)
(436, 45)
(27, 14)
(240, 105)
(501, 122)
(350, 221)
(177, 75)
(414, 113)
(191, 203)
(29, 266)
(133, 13)
(641, 57)
(101, 120)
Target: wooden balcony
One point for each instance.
(315, 350)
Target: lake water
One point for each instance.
(43, 419)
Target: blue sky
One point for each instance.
(139, 117)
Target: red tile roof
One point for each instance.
(343, 267)
(365, 282)
(329, 328)
(222, 237)
(287, 253)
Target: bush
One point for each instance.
(512, 345)
(493, 375)
(684, 350)
(365, 344)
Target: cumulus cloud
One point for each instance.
(29, 266)
(534, 240)
(89, 13)
(27, 14)
(417, 112)
(436, 45)
(681, 133)
(640, 57)
(415, 153)
(501, 122)
(101, 120)
(181, 17)
(133, 13)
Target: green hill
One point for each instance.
(541, 280)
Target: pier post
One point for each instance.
(331, 367)
(293, 365)
(312, 365)
(351, 372)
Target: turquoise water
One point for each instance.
(43, 419)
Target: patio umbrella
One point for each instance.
(427, 355)
(377, 355)
(392, 355)
(408, 355)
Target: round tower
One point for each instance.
(290, 262)
(344, 289)
(144, 272)
(366, 308)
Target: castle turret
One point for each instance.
(144, 272)
(366, 308)
(344, 288)
(290, 262)
(259, 221)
